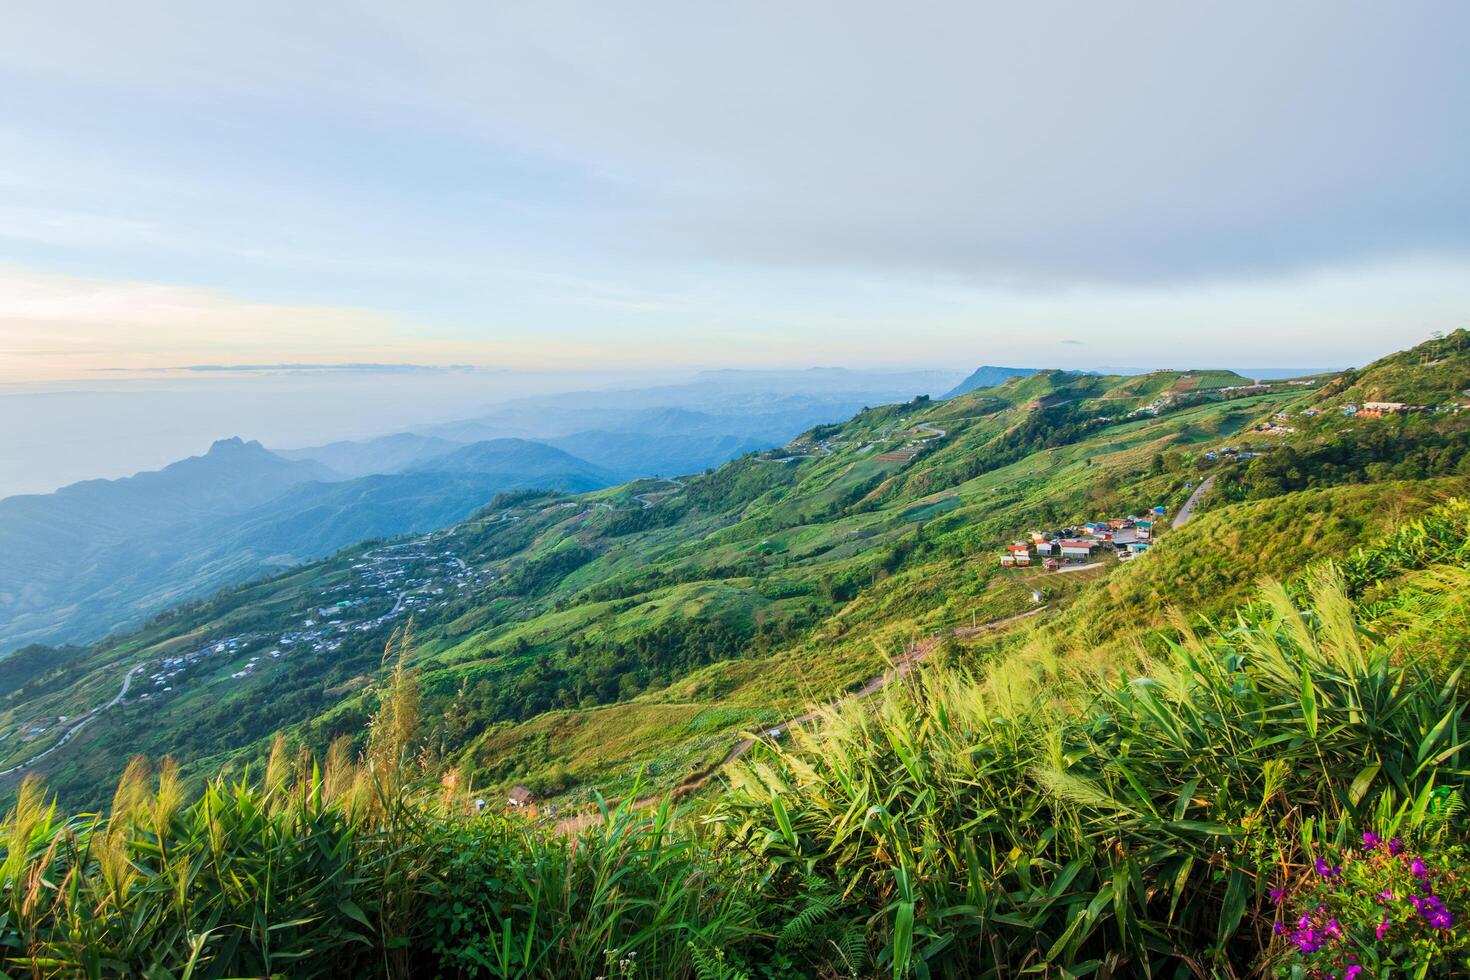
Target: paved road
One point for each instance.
(916, 654)
(643, 498)
(1187, 511)
(79, 723)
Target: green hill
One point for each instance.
(572, 641)
(1277, 792)
(846, 741)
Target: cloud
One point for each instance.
(1020, 145)
(1074, 343)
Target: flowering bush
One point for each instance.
(1380, 909)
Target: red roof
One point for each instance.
(1078, 544)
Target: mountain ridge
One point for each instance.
(84, 584)
(572, 641)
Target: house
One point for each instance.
(1038, 537)
(1138, 547)
(1052, 564)
(521, 796)
(1376, 410)
(1076, 550)
(1158, 512)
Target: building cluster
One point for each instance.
(171, 668)
(1126, 537)
(1378, 410)
(1232, 453)
(1277, 426)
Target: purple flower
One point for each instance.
(1381, 930)
(1279, 928)
(1326, 870)
(1333, 929)
(1418, 868)
(1433, 911)
(1307, 941)
(1277, 895)
(1395, 847)
(1352, 973)
(1386, 895)
(1371, 840)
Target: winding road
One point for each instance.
(1187, 511)
(79, 724)
(642, 498)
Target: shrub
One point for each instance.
(1383, 908)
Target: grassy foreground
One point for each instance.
(1277, 795)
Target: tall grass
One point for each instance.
(982, 828)
(1049, 815)
(363, 865)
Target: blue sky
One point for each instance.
(581, 185)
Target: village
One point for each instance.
(388, 583)
(1084, 544)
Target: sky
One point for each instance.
(573, 186)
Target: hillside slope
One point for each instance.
(571, 641)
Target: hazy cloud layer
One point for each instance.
(632, 174)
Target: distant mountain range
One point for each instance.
(667, 429)
(385, 454)
(103, 555)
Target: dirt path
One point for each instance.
(1078, 568)
(916, 654)
(1187, 511)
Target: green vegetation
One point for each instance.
(740, 595)
(1098, 771)
(1036, 810)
